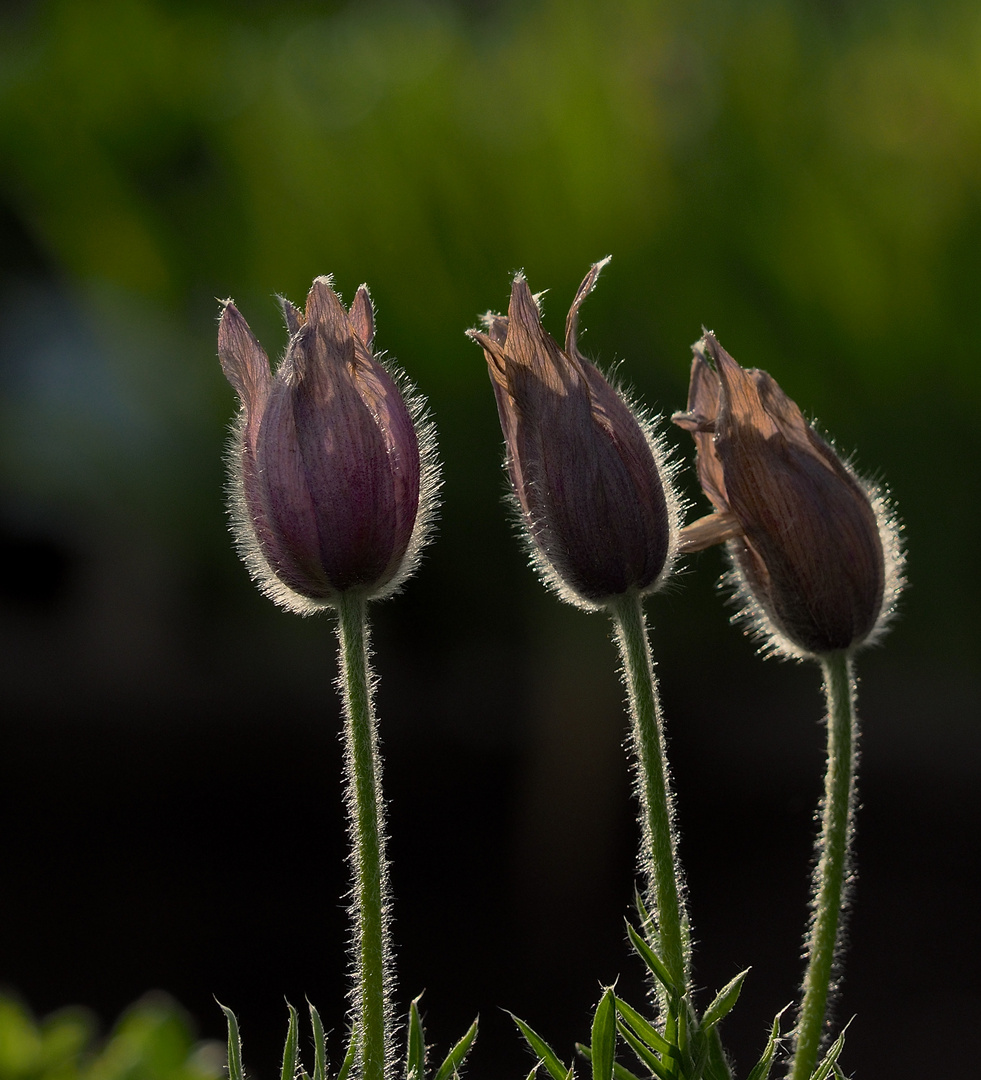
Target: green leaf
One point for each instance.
(291, 1051)
(717, 1067)
(352, 1049)
(415, 1058)
(761, 1070)
(234, 1045)
(455, 1057)
(644, 1028)
(653, 961)
(604, 1037)
(724, 1000)
(830, 1058)
(645, 1054)
(541, 1048)
(619, 1072)
(319, 1045)
(646, 922)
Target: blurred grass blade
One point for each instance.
(319, 1045)
(291, 1050)
(653, 961)
(415, 1058)
(724, 1000)
(645, 1054)
(604, 1037)
(455, 1057)
(550, 1059)
(234, 1045)
(348, 1063)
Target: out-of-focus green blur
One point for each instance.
(801, 176)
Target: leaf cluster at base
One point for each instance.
(415, 1068)
(686, 1047)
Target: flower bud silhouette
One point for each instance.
(815, 549)
(586, 472)
(332, 470)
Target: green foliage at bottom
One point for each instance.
(685, 1046)
(152, 1040)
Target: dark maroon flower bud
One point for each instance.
(329, 489)
(815, 548)
(586, 471)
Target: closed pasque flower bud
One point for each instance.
(586, 471)
(332, 477)
(816, 550)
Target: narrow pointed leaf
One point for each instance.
(291, 1050)
(830, 1058)
(653, 961)
(415, 1058)
(533, 1075)
(646, 922)
(455, 1057)
(604, 1037)
(644, 1028)
(234, 1045)
(761, 1070)
(724, 1000)
(550, 1059)
(619, 1072)
(319, 1045)
(645, 1054)
(348, 1063)
(717, 1067)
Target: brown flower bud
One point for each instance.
(815, 548)
(586, 472)
(329, 489)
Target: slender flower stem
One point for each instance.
(362, 767)
(658, 855)
(831, 873)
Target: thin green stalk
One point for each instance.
(362, 767)
(831, 873)
(658, 855)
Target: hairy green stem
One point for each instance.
(658, 857)
(831, 873)
(362, 768)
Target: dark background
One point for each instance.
(802, 177)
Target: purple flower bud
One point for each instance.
(816, 551)
(329, 489)
(586, 472)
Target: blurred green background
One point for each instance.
(801, 176)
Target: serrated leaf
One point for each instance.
(724, 1000)
(604, 1037)
(234, 1044)
(352, 1049)
(645, 1055)
(319, 1045)
(653, 961)
(415, 1057)
(619, 1072)
(291, 1050)
(455, 1057)
(542, 1050)
(643, 1028)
